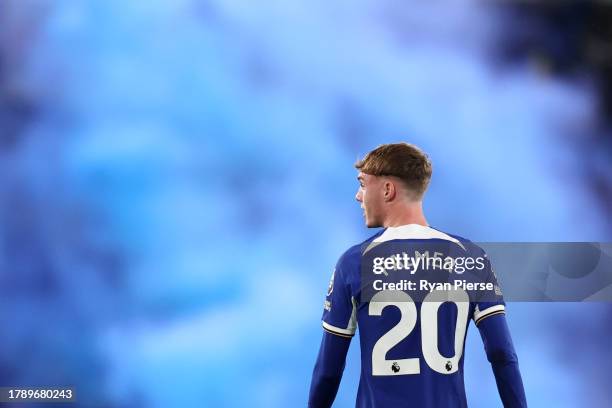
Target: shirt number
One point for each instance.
(429, 331)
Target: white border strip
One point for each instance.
(479, 314)
(337, 329)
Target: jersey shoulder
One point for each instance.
(351, 258)
(469, 246)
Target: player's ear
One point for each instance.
(389, 191)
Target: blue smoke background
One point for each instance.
(176, 185)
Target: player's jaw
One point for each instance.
(365, 215)
(372, 221)
(371, 215)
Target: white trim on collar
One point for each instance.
(412, 231)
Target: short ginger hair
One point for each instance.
(402, 160)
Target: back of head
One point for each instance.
(402, 160)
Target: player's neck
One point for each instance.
(406, 214)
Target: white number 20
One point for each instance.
(429, 331)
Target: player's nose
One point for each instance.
(358, 195)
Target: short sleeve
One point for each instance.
(340, 309)
(490, 302)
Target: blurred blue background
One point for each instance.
(177, 182)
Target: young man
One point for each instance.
(411, 347)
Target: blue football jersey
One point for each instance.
(412, 335)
